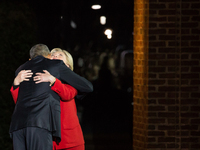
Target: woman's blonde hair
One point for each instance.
(69, 59)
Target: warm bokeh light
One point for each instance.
(109, 36)
(108, 32)
(103, 20)
(96, 6)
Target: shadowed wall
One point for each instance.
(172, 106)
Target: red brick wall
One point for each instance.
(173, 102)
(174, 71)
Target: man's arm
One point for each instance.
(66, 75)
(81, 84)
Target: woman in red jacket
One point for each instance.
(71, 132)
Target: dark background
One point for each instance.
(106, 114)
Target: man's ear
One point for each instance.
(48, 56)
(29, 58)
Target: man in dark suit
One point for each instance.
(36, 117)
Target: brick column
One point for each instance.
(140, 74)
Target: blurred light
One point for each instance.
(61, 17)
(80, 62)
(103, 20)
(109, 36)
(96, 6)
(73, 24)
(108, 32)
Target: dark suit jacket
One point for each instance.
(37, 104)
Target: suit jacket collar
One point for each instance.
(38, 57)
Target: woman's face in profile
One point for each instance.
(59, 55)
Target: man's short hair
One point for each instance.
(39, 49)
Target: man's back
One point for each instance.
(37, 105)
(30, 90)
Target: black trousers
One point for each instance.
(32, 138)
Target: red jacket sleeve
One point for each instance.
(14, 93)
(65, 91)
